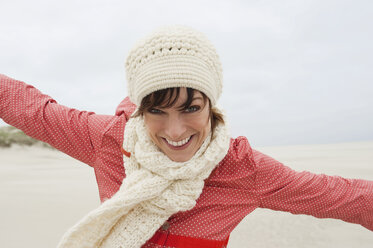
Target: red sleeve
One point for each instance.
(76, 133)
(322, 196)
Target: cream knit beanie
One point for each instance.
(173, 56)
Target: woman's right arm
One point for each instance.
(74, 132)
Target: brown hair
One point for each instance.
(167, 98)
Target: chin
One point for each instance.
(179, 159)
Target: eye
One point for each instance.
(155, 111)
(192, 109)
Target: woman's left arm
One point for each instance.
(281, 188)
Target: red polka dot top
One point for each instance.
(244, 180)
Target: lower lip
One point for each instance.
(179, 147)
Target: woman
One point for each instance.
(185, 182)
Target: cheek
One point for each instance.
(207, 127)
(153, 126)
(201, 124)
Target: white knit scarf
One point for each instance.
(155, 188)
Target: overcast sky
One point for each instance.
(295, 72)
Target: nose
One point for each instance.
(175, 128)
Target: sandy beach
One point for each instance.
(44, 192)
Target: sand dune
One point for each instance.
(44, 192)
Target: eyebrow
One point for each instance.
(194, 98)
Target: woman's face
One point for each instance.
(179, 133)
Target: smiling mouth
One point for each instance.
(180, 144)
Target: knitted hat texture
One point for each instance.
(173, 56)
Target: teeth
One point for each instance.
(179, 143)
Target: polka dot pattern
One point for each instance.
(244, 180)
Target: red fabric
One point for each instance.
(125, 153)
(243, 181)
(170, 240)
